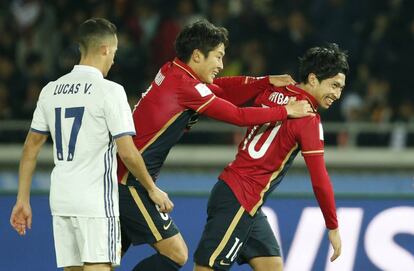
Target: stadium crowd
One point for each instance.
(266, 37)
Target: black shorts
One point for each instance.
(141, 222)
(231, 233)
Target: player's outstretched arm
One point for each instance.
(21, 216)
(240, 89)
(223, 110)
(281, 80)
(335, 239)
(133, 161)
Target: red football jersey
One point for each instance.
(176, 97)
(267, 151)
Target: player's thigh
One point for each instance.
(225, 232)
(97, 267)
(141, 221)
(99, 239)
(73, 268)
(90, 267)
(261, 244)
(82, 240)
(66, 245)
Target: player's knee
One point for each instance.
(179, 256)
(266, 263)
(174, 248)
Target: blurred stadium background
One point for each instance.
(369, 133)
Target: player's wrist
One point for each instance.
(23, 201)
(23, 198)
(152, 188)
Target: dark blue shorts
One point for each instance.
(231, 234)
(141, 222)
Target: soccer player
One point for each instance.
(170, 105)
(236, 226)
(88, 118)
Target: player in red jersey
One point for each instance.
(236, 227)
(174, 99)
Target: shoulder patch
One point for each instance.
(203, 89)
(320, 131)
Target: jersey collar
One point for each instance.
(296, 89)
(185, 68)
(86, 68)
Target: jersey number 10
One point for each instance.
(72, 112)
(261, 130)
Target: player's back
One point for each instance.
(268, 150)
(75, 110)
(163, 114)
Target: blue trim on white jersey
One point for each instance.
(111, 239)
(131, 133)
(105, 185)
(108, 183)
(39, 132)
(111, 183)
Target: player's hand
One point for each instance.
(281, 80)
(335, 240)
(161, 199)
(298, 109)
(21, 217)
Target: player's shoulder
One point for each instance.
(177, 75)
(111, 87)
(305, 123)
(47, 89)
(112, 84)
(181, 78)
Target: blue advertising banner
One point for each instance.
(377, 234)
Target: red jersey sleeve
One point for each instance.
(322, 188)
(239, 89)
(225, 111)
(310, 138)
(194, 95)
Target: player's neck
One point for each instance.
(93, 62)
(308, 88)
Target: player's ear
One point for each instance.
(104, 49)
(197, 56)
(313, 80)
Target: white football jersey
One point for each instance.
(84, 113)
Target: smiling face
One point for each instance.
(327, 91)
(207, 67)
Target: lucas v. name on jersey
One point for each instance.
(72, 88)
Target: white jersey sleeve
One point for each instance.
(118, 113)
(39, 121)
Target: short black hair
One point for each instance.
(201, 35)
(92, 31)
(325, 62)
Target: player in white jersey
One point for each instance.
(88, 118)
